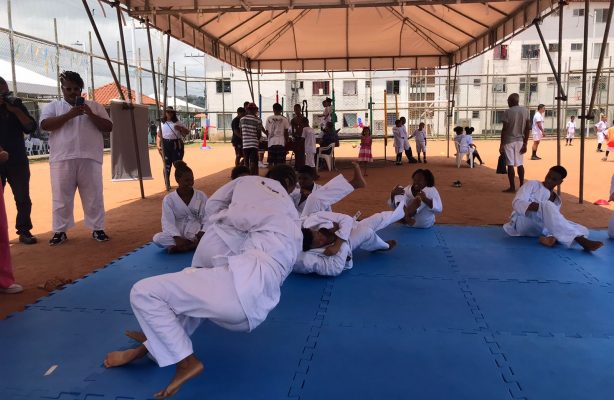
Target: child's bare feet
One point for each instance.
(391, 244)
(587, 244)
(186, 369)
(119, 358)
(358, 181)
(509, 190)
(137, 336)
(547, 241)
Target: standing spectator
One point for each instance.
(538, 130)
(251, 126)
(153, 129)
(14, 122)
(277, 128)
(309, 140)
(364, 154)
(170, 141)
(420, 136)
(7, 281)
(601, 127)
(76, 129)
(514, 138)
(327, 115)
(571, 130)
(300, 151)
(237, 141)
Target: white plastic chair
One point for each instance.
(328, 158)
(29, 146)
(36, 146)
(459, 155)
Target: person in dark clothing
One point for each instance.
(15, 120)
(237, 137)
(297, 135)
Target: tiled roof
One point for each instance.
(104, 95)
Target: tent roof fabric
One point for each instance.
(340, 35)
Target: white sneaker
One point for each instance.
(14, 288)
(261, 164)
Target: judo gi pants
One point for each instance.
(68, 175)
(363, 234)
(6, 268)
(170, 307)
(549, 221)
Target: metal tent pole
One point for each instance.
(583, 117)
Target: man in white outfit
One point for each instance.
(601, 127)
(329, 239)
(537, 212)
(76, 144)
(538, 130)
(242, 260)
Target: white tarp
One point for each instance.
(328, 35)
(123, 154)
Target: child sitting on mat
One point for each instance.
(183, 214)
(422, 200)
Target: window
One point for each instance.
(576, 46)
(550, 113)
(553, 47)
(321, 88)
(477, 82)
(475, 114)
(532, 85)
(499, 85)
(224, 121)
(350, 88)
(430, 78)
(428, 96)
(500, 52)
(530, 51)
(575, 80)
(454, 86)
(417, 80)
(578, 12)
(296, 85)
(497, 116)
(601, 15)
(597, 49)
(393, 87)
(222, 86)
(367, 84)
(391, 117)
(350, 120)
(550, 81)
(603, 83)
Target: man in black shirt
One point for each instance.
(14, 122)
(237, 137)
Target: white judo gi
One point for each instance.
(243, 258)
(611, 223)
(180, 219)
(75, 161)
(401, 142)
(355, 234)
(601, 127)
(425, 216)
(322, 197)
(546, 221)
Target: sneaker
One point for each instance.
(58, 238)
(100, 236)
(535, 158)
(604, 159)
(26, 238)
(261, 164)
(14, 288)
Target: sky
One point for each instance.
(35, 18)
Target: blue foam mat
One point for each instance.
(452, 312)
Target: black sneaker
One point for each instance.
(26, 238)
(100, 236)
(535, 158)
(58, 238)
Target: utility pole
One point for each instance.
(204, 57)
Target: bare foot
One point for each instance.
(547, 241)
(137, 336)
(119, 358)
(173, 250)
(510, 190)
(358, 181)
(587, 244)
(186, 369)
(391, 244)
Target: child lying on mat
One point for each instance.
(329, 239)
(537, 212)
(421, 199)
(183, 214)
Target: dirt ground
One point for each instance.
(131, 222)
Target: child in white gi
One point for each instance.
(421, 199)
(536, 212)
(183, 214)
(309, 135)
(329, 239)
(401, 142)
(571, 131)
(234, 280)
(601, 127)
(419, 136)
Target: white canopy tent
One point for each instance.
(347, 35)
